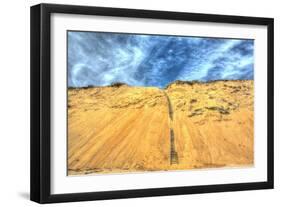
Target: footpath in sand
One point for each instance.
(184, 126)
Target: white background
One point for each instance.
(14, 104)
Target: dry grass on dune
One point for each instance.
(121, 128)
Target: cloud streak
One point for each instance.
(96, 58)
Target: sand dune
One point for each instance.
(185, 126)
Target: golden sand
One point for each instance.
(185, 126)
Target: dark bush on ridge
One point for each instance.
(117, 84)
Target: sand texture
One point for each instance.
(187, 125)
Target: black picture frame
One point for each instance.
(41, 98)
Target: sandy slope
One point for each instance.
(117, 129)
(213, 123)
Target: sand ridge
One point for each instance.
(127, 129)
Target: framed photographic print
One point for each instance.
(133, 103)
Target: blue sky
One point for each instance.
(96, 58)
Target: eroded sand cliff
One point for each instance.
(185, 126)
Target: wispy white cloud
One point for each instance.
(104, 58)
